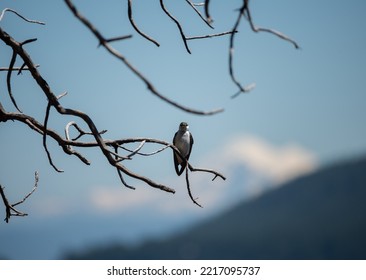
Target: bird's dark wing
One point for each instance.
(176, 164)
(184, 164)
(190, 148)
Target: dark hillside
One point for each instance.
(319, 216)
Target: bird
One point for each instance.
(183, 141)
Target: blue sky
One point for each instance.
(308, 108)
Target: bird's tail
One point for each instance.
(182, 167)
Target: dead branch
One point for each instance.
(2, 69)
(8, 81)
(146, 154)
(66, 144)
(129, 156)
(207, 13)
(177, 23)
(231, 52)
(217, 174)
(194, 200)
(244, 12)
(207, 21)
(44, 142)
(115, 151)
(10, 209)
(103, 42)
(210, 35)
(118, 38)
(81, 131)
(130, 17)
(19, 15)
(272, 31)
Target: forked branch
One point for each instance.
(244, 12)
(10, 209)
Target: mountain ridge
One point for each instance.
(317, 216)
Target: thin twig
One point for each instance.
(130, 17)
(45, 138)
(21, 69)
(81, 131)
(61, 95)
(189, 190)
(136, 150)
(207, 13)
(145, 154)
(7, 205)
(67, 135)
(177, 23)
(118, 157)
(217, 174)
(199, 14)
(244, 11)
(25, 68)
(28, 41)
(120, 172)
(272, 31)
(10, 209)
(119, 38)
(123, 180)
(11, 69)
(231, 54)
(36, 179)
(8, 80)
(211, 35)
(19, 15)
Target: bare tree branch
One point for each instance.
(19, 15)
(81, 131)
(3, 69)
(146, 154)
(114, 150)
(10, 209)
(103, 42)
(207, 13)
(210, 35)
(45, 138)
(199, 14)
(10, 71)
(217, 174)
(130, 17)
(8, 81)
(120, 173)
(177, 23)
(194, 200)
(119, 38)
(244, 11)
(137, 149)
(272, 31)
(123, 180)
(66, 143)
(231, 53)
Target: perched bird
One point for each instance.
(183, 140)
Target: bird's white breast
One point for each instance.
(183, 143)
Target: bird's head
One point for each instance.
(183, 126)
